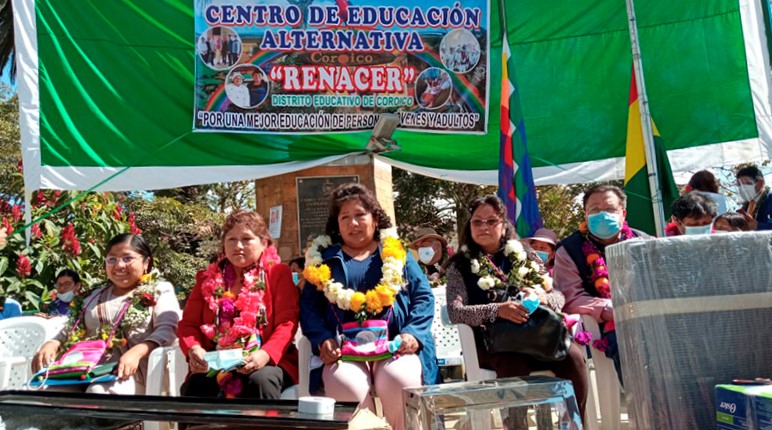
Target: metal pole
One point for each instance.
(648, 133)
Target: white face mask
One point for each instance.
(746, 191)
(425, 254)
(66, 297)
(694, 230)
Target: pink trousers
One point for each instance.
(350, 381)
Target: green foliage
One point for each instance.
(73, 237)
(561, 207)
(10, 151)
(427, 202)
(180, 235)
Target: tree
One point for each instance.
(427, 202)
(223, 197)
(182, 236)
(10, 151)
(561, 207)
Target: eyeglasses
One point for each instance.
(112, 261)
(492, 222)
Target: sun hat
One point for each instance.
(427, 233)
(545, 235)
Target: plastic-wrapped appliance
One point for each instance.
(691, 312)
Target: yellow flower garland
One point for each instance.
(372, 302)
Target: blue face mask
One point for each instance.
(295, 277)
(702, 229)
(604, 225)
(545, 256)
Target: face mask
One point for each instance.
(295, 277)
(425, 254)
(702, 229)
(747, 191)
(66, 297)
(545, 256)
(604, 225)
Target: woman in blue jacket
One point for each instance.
(360, 278)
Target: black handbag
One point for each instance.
(543, 337)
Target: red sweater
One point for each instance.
(282, 306)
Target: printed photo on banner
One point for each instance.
(460, 51)
(247, 86)
(219, 48)
(323, 67)
(433, 88)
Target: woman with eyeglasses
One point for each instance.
(140, 306)
(490, 260)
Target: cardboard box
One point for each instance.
(746, 407)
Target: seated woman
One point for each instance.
(544, 242)
(246, 300)
(355, 273)
(147, 324)
(486, 242)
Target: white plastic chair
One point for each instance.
(54, 326)
(304, 365)
(446, 340)
(166, 371)
(20, 339)
(607, 381)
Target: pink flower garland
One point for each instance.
(237, 317)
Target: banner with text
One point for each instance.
(305, 67)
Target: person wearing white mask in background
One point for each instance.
(431, 249)
(580, 271)
(757, 206)
(67, 286)
(297, 265)
(693, 213)
(544, 242)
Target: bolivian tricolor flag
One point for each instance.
(640, 213)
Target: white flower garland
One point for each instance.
(523, 272)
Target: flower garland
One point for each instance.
(599, 277)
(364, 305)
(238, 319)
(143, 297)
(595, 260)
(523, 272)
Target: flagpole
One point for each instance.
(648, 132)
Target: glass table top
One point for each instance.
(52, 410)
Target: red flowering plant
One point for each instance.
(64, 234)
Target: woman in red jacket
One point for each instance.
(245, 301)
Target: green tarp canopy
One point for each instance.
(106, 91)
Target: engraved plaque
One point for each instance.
(313, 204)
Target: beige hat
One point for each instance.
(545, 235)
(425, 233)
